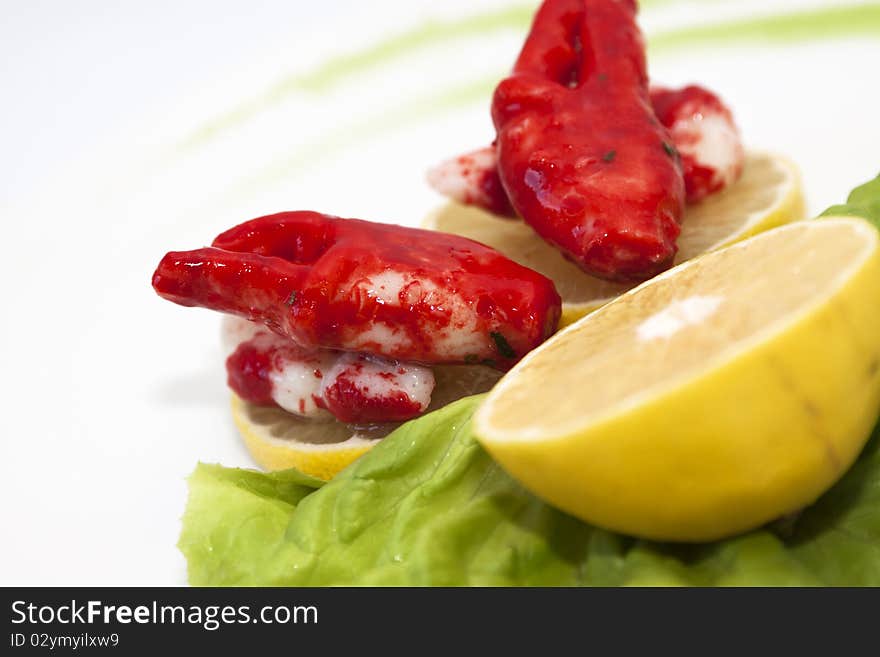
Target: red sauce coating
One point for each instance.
(247, 373)
(670, 106)
(266, 360)
(313, 278)
(581, 154)
(351, 403)
(249, 367)
(674, 105)
(491, 194)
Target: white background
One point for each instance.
(110, 395)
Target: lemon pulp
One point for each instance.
(722, 394)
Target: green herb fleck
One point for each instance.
(291, 299)
(471, 359)
(609, 156)
(670, 151)
(602, 77)
(488, 362)
(502, 345)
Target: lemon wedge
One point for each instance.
(724, 393)
(278, 440)
(767, 194)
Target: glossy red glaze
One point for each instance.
(247, 374)
(671, 106)
(351, 395)
(675, 106)
(581, 154)
(491, 187)
(250, 366)
(352, 285)
(488, 191)
(350, 400)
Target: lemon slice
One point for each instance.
(767, 194)
(278, 440)
(722, 394)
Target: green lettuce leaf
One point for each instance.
(229, 512)
(863, 201)
(427, 506)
